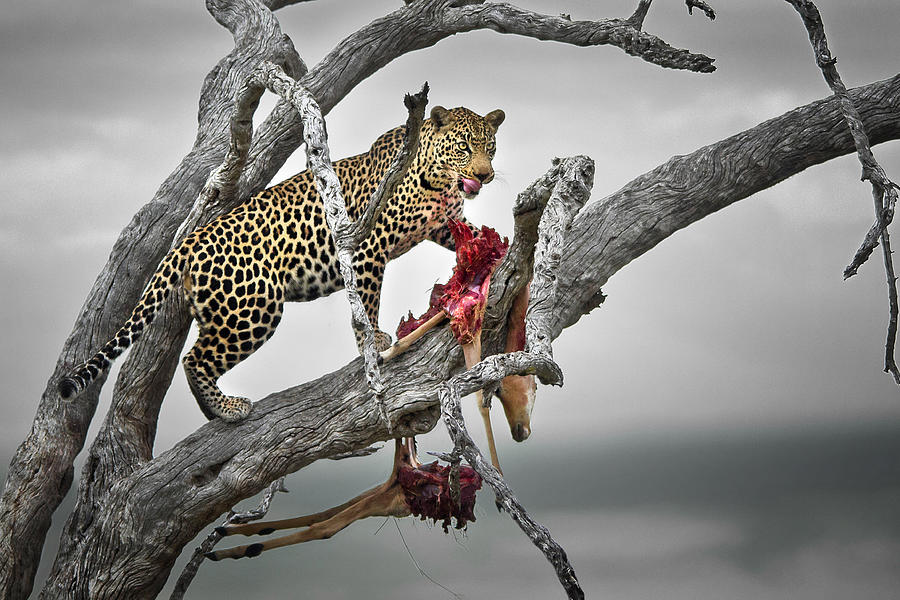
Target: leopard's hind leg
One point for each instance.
(227, 337)
(202, 375)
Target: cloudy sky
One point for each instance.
(725, 420)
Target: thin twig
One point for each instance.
(884, 190)
(569, 193)
(419, 568)
(190, 570)
(890, 364)
(637, 19)
(262, 508)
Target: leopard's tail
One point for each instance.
(169, 274)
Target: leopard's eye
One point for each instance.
(492, 147)
(463, 146)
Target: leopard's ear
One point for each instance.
(495, 118)
(441, 117)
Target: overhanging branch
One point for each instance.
(884, 191)
(422, 24)
(205, 474)
(570, 192)
(60, 429)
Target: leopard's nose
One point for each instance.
(485, 177)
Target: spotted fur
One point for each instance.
(238, 271)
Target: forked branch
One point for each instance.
(329, 188)
(570, 192)
(884, 191)
(640, 13)
(345, 233)
(190, 570)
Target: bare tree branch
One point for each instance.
(329, 188)
(506, 18)
(570, 192)
(884, 191)
(415, 104)
(207, 473)
(706, 8)
(190, 569)
(135, 513)
(276, 4)
(346, 234)
(609, 233)
(640, 13)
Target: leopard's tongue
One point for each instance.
(471, 186)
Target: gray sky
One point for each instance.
(740, 323)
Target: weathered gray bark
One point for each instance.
(41, 472)
(166, 501)
(609, 234)
(135, 512)
(573, 180)
(884, 191)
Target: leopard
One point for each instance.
(238, 271)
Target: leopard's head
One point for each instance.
(462, 147)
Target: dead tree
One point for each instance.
(136, 512)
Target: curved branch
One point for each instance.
(415, 104)
(423, 24)
(60, 429)
(207, 473)
(609, 233)
(884, 191)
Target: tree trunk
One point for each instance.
(135, 512)
(150, 515)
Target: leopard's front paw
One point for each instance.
(234, 409)
(382, 340)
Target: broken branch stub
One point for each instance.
(190, 569)
(706, 8)
(415, 104)
(571, 191)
